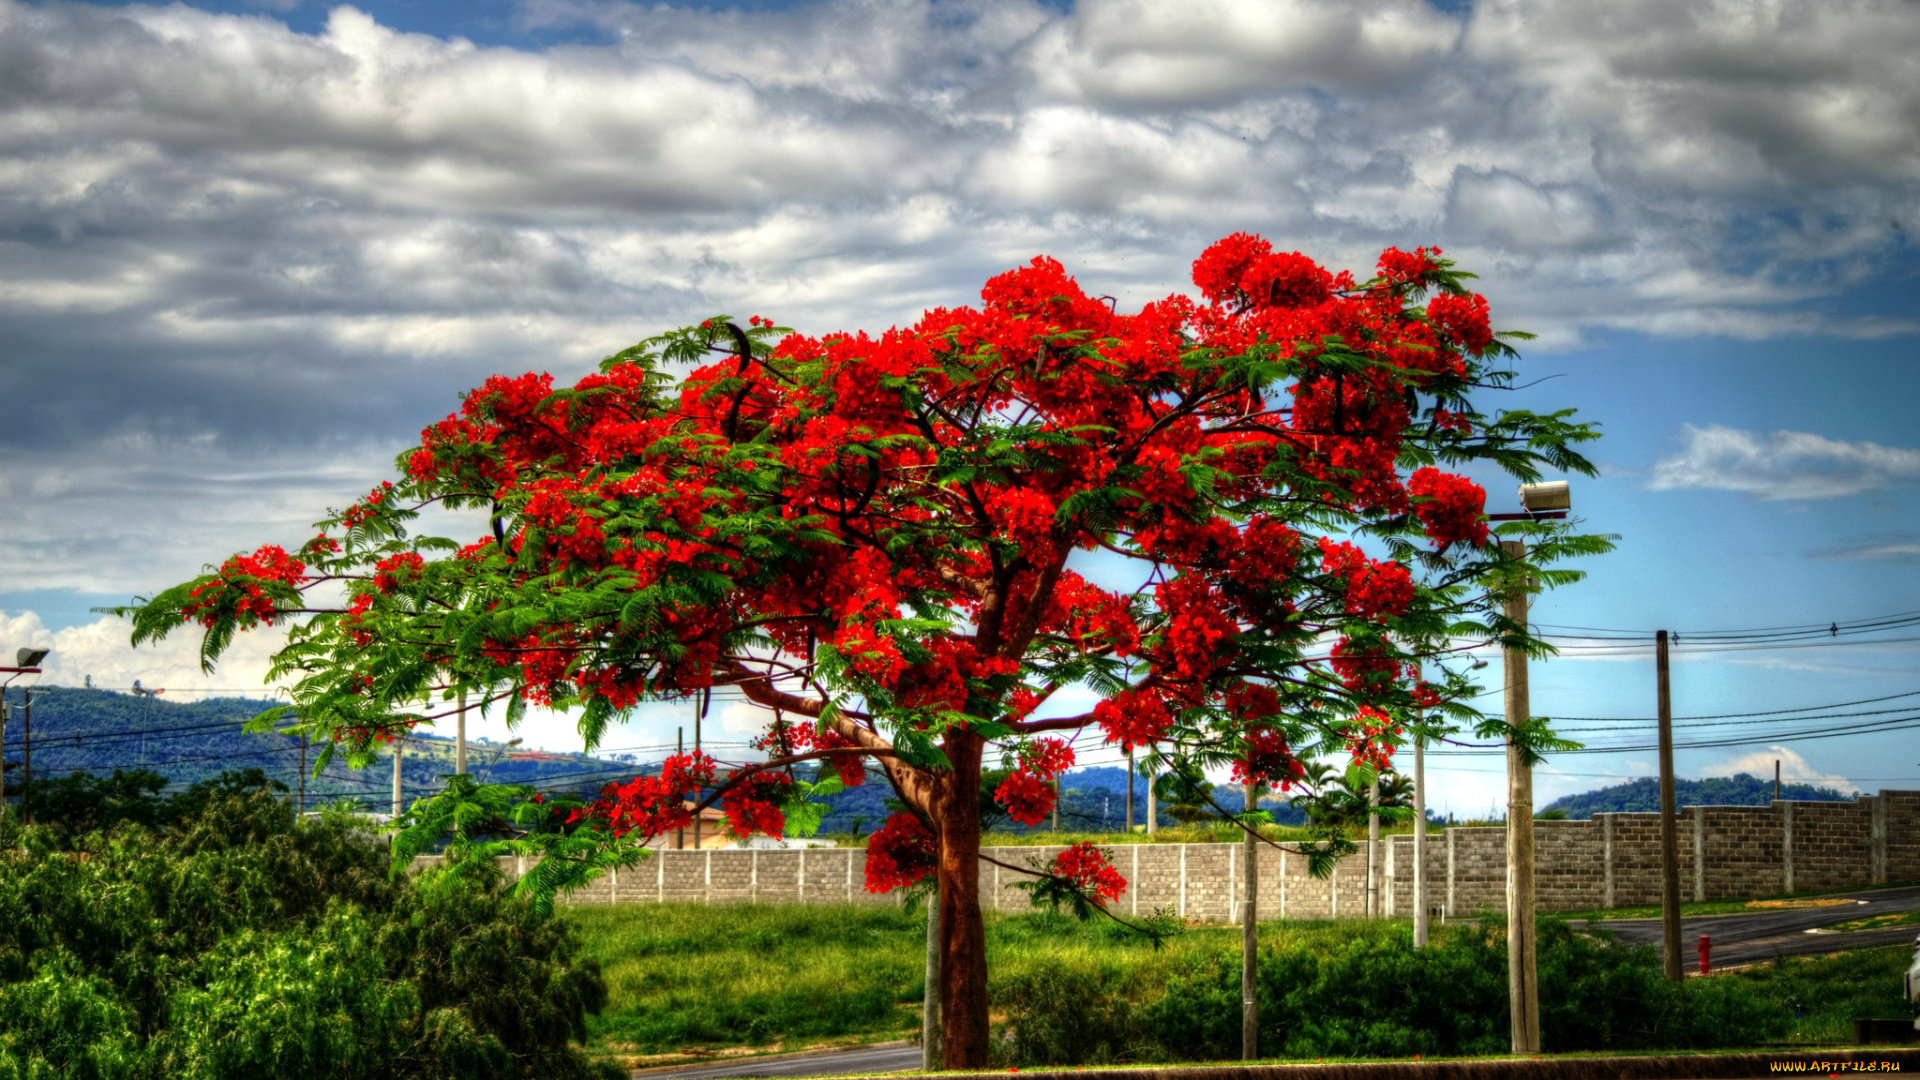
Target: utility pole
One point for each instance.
(1250, 938)
(1129, 791)
(1522, 976)
(1669, 823)
(1056, 804)
(26, 748)
(930, 1057)
(460, 737)
(303, 774)
(4, 710)
(1373, 848)
(1776, 779)
(679, 748)
(1153, 801)
(1419, 842)
(397, 744)
(699, 715)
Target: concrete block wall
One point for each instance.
(1726, 852)
(1737, 852)
(1902, 822)
(1829, 844)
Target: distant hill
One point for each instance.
(1093, 799)
(1643, 795)
(99, 731)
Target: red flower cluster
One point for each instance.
(1463, 317)
(1244, 270)
(390, 573)
(1269, 761)
(751, 804)
(1133, 718)
(1453, 507)
(651, 805)
(1365, 741)
(1028, 791)
(239, 588)
(1375, 590)
(1364, 667)
(900, 853)
(1086, 868)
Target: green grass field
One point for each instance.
(696, 980)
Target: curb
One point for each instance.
(1646, 1067)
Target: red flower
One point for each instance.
(1453, 510)
(900, 853)
(1087, 868)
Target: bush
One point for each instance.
(244, 943)
(1370, 994)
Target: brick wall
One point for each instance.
(1726, 852)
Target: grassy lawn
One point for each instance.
(1827, 993)
(686, 979)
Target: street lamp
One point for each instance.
(1551, 499)
(26, 662)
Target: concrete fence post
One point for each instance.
(1699, 854)
(1452, 860)
(1606, 860)
(1786, 847)
(1877, 837)
(1183, 881)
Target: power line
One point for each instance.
(1763, 712)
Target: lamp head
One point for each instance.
(1546, 497)
(30, 657)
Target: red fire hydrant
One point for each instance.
(1706, 946)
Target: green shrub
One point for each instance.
(1373, 995)
(244, 943)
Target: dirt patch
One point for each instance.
(1795, 905)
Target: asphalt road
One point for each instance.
(1753, 937)
(1736, 939)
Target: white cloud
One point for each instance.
(1884, 549)
(1781, 464)
(101, 649)
(1793, 769)
(240, 266)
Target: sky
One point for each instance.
(249, 249)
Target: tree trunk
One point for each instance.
(963, 968)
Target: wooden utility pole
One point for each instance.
(699, 715)
(1373, 848)
(460, 737)
(5, 709)
(1153, 801)
(397, 744)
(1250, 938)
(26, 748)
(303, 774)
(679, 748)
(1419, 843)
(1129, 790)
(1776, 779)
(1056, 804)
(1523, 986)
(1669, 821)
(930, 1058)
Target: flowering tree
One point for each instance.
(1225, 518)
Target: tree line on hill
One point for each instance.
(1642, 796)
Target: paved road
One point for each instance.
(1749, 938)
